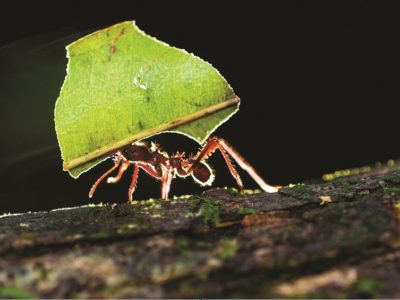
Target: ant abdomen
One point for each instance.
(203, 174)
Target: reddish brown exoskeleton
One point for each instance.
(163, 167)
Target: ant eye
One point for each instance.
(155, 160)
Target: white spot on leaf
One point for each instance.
(138, 80)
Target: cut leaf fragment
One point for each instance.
(123, 85)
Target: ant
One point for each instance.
(156, 163)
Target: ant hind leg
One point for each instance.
(207, 150)
(215, 143)
(246, 166)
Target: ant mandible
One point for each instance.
(163, 167)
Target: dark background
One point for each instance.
(319, 83)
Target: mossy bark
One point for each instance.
(335, 239)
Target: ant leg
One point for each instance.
(147, 169)
(208, 149)
(121, 171)
(166, 178)
(166, 183)
(231, 167)
(133, 182)
(116, 164)
(217, 143)
(247, 167)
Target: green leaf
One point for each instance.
(123, 85)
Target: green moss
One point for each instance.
(235, 191)
(182, 244)
(100, 235)
(301, 191)
(191, 291)
(390, 184)
(389, 190)
(353, 180)
(211, 213)
(393, 178)
(300, 187)
(393, 191)
(208, 209)
(204, 244)
(365, 288)
(363, 193)
(227, 249)
(343, 185)
(249, 192)
(247, 211)
(16, 293)
(106, 291)
(147, 202)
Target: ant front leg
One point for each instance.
(215, 143)
(118, 159)
(121, 171)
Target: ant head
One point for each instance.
(177, 159)
(138, 151)
(203, 174)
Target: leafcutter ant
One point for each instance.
(158, 164)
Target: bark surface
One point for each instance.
(331, 239)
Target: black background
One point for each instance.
(319, 83)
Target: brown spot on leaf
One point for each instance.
(140, 124)
(114, 41)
